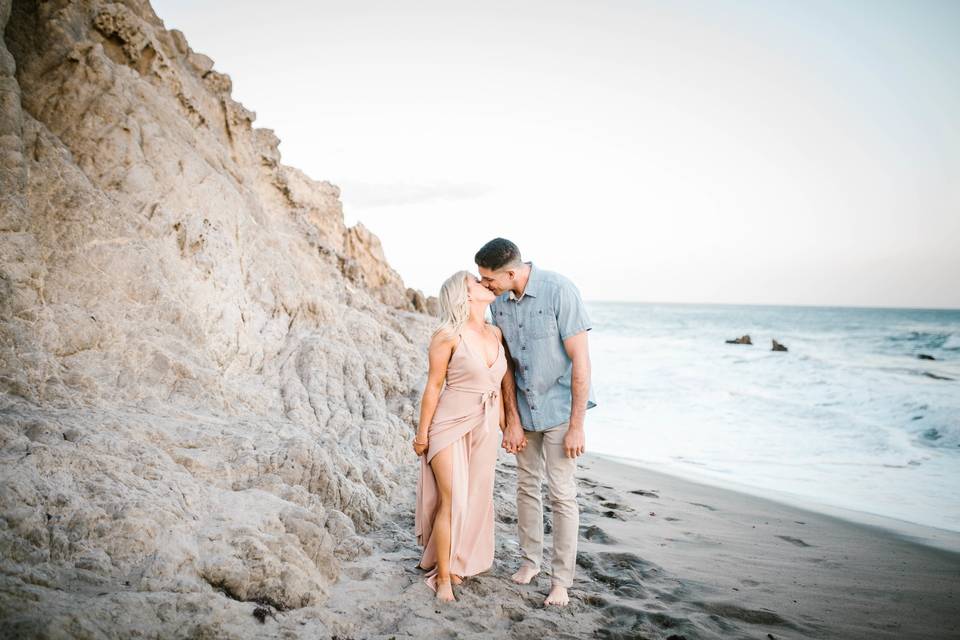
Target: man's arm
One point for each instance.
(574, 323)
(508, 387)
(513, 438)
(579, 352)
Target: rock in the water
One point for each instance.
(778, 347)
(745, 339)
(207, 380)
(925, 356)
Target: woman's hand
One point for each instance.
(514, 439)
(420, 446)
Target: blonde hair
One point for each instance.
(454, 306)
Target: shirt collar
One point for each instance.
(531, 288)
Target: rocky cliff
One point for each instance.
(207, 380)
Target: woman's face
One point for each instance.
(478, 292)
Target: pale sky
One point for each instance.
(738, 152)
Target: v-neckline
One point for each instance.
(480, 355)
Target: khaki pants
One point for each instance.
(545, 449)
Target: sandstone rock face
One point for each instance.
(207, 381)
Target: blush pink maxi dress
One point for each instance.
(467, 418)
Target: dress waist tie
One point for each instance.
(488, 399)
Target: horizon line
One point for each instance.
(774, 304)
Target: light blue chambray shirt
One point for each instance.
(535, 326)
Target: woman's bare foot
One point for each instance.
(557, 596)
(525, 574)
(455, 579)
(444, 590)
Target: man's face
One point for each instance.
(496, 281)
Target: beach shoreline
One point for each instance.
(663, 557)
(916, 533)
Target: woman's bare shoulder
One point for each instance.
(443, 338)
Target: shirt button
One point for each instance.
(521, 326)
(523, 348)
(534, 407)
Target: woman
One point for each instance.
(458, 437)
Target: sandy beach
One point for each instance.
(210, 373)
(663, 557)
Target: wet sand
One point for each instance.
(663, 557)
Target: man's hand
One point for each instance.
(574, 441)
(513, 439)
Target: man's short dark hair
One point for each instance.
(497, 253)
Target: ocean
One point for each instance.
(850, 418)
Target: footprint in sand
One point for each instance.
(705, 506)
(752, 616)
(592, 502)
(622, 571)
(514, 614)
(615, 506)
(594, 600)
(594, 533)
(506, 512)
(588, 509)
(823, 562)
(628, 622)
(587, 482)
(795, 541)
(649, 494)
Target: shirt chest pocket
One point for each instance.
(543, 324)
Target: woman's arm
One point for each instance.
(503, 415)
(438, 354)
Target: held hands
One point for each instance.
(514, 440)
(420, 446)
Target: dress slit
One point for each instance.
(464, 420)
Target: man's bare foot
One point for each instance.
(455, 579)
(525, 574)
(557, 596)
(444, 590)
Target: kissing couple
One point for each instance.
(527, 375)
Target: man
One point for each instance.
(544, 325)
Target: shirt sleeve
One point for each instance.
(572, 315)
